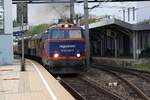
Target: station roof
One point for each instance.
(111, 22)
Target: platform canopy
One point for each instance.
(68, 1)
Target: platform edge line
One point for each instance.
(45, 83)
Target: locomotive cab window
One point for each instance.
(75, 34)
(57, 34)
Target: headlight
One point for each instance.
(78, 55)
(56, 55)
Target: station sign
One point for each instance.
(19, 33)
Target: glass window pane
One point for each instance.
(57, 34)
(75, 34)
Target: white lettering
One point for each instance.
(67, 46)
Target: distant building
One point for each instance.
(6, 28)
(115, 38)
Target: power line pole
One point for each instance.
(23, 21)
(133, 13)
(86, 20)
(72, 12)
(124, 16)
(22, 56)
(128, 14)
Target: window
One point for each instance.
(75, 34)
(1, 16)
(56, 34)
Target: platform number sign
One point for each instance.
(22, 8)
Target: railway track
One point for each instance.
(141, 73)
(87, 89)
(126, 75)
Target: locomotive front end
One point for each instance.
(66, 49)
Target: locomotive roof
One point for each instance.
(60, 25)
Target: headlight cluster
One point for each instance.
(56, 55)
(78, 55)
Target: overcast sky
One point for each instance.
(48, 13)
(44, 13)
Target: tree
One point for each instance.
(37, 29)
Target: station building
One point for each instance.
(6, 30)
(118, 42)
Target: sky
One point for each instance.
(113, 9)
(143, 10)
(48, 13)
(44, 13)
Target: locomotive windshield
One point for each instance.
(66, 33)
(58, 34)
(75, 34)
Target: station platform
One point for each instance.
(34, 84)
(119, 62)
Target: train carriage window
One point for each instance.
(58, 34)
(75, 34)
